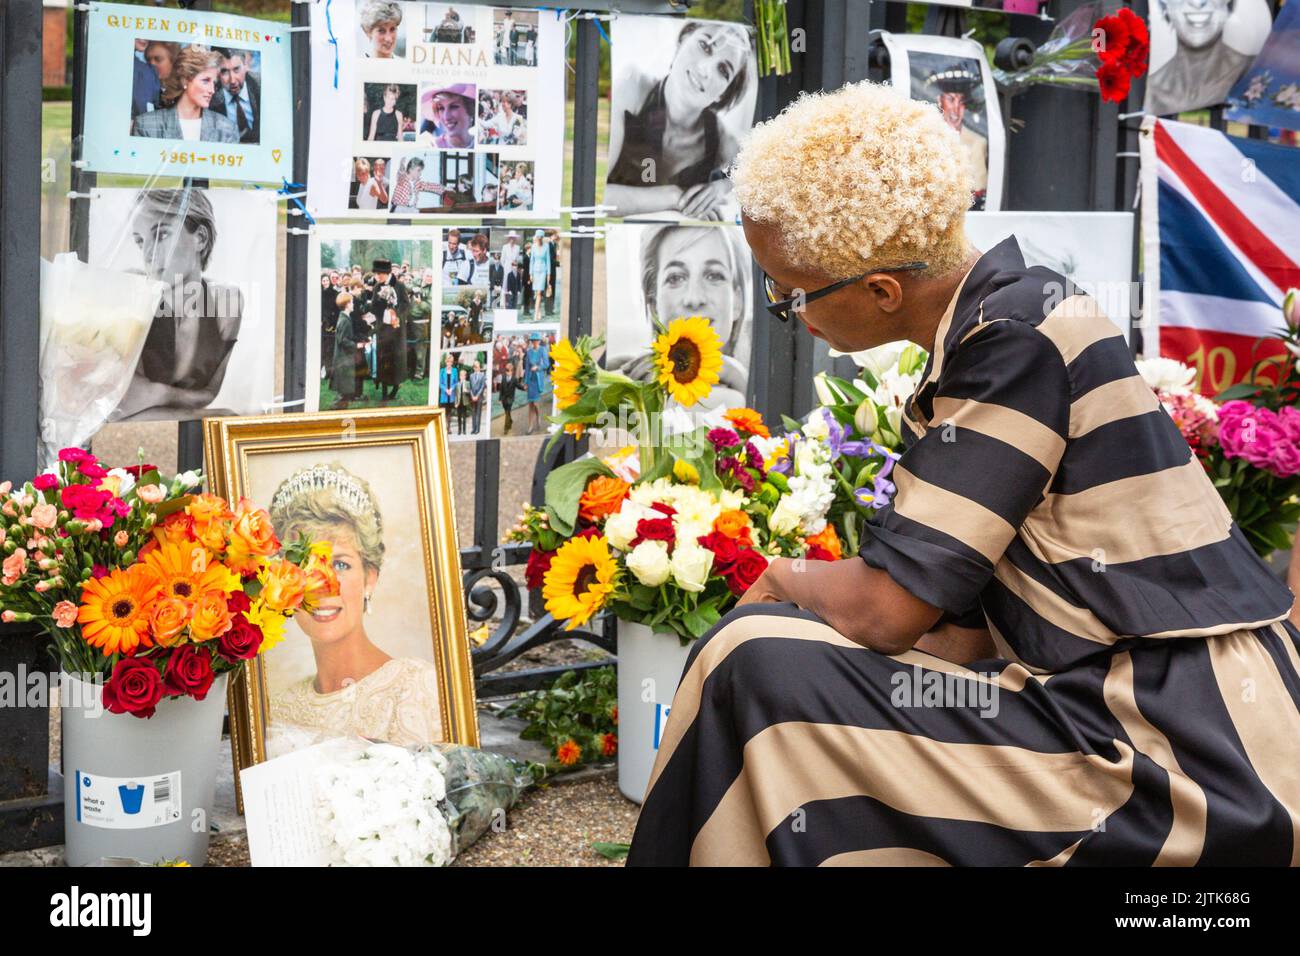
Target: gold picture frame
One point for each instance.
(231, 444)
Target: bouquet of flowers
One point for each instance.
(1248, 440)
(670, 530)
(576, 717)
(143, 583)
(379, 804)
(1090, 52)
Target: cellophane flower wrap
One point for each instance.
(382, 805)
(1248, 437)
(665, 528)
(146, 584)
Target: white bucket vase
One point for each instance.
(137, 788)
(649, 668)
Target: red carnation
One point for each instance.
(655, 529)
(749, 567)
(241, 642)
(134, 688)
(188, 671)
(725, 550)
(75, 455)
(45, 482)
(539, 562)
(1114, 81)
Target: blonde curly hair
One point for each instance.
(858, 178)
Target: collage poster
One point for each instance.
(954, 74)
(462, 317)
(187, 93)
(436, 109)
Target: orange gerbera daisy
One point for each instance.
(568, 753)
(187, 570)
(747, 420)
(116, 609)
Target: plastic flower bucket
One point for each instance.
(138, 789)
(650, 666)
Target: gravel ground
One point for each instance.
(551, 826)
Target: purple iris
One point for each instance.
(882, 489)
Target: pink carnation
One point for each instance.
(13, 567)
(65, 614)
(45, 516)
(45, 482)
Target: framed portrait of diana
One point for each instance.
(387, 659)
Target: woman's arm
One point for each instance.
(861, 602)
(374, 122)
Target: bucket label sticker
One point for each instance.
(128, 803)
(661, 721)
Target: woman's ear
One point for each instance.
(372, 578)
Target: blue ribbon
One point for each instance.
(333, 40)
(287, 190)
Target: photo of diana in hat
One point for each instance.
(955, 85)
(447, 116)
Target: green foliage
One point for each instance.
(580, 707)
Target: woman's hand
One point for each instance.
(701, 202)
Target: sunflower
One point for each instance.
(115, 609)
(747, 420)
(579, 580)
(688, 357)
(187, 570)
(565, 373)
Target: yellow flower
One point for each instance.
(565, 369)
(685, 472)
(270, 622)
(580, 579)
(115, 609)
(688, 357)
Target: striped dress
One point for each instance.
(1144, 707)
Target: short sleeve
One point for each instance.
(1000, 423)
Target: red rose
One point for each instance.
(134, 688)
(818, 553)
(655, 529)
(749, 567)
(136, 471)
(1114, 82)
(725, 550)
(664, 509)
(539, 562)
(238, 602)
(188, 671)
(241, 642)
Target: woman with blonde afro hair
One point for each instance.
(1046, 519)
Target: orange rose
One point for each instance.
(321, 582)
(284, 585)
(211, 516)
(747, 420)
(828, 539)
(602, 497)
(168, 620)
(735, 524)
(251, 537)
(210, 616)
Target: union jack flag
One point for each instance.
(1221, 243)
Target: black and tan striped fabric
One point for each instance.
(1148, 687)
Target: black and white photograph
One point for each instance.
(381, 34)
(683, 95)
(389, 112)
(211, 347)
(464, 387)
(514, 37)
(682, 271)
(375, 321)
(953, 74)
(1200, 48)
(447, 114)
(503, 117)
(450, 23)
(195, 93)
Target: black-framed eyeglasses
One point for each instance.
(781, 308)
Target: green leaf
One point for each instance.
(564, 486)
(612, 851)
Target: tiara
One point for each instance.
(323, 476)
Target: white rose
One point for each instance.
(649, 562)
(620, 528)
(691, 565)
(785, 516)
